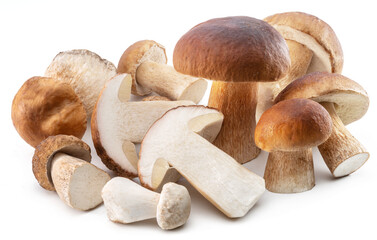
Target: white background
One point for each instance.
(33, 32)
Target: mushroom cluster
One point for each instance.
(277, 87)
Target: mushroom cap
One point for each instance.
(45, 107)
(234, 49)
(46, 150)
(136, 54)
(351, 101)
(312, 26)
(174, 206)
(85, 71)
(293, 125)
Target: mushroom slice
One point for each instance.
(85, 71)
(218, 177)
(62, 163)
(117, 124)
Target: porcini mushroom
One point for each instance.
(229, 186)
(313, 46)
(289, 130)
(128, 202)
(61, 163)
(118, 123)
(238, 52)
(346, 101)
(146, 62)
(85, 71)
(45, 107)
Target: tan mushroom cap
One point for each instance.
(136, 54)
(45, 107)
(350, 100)
(314, 27)
(85, 71)
(293, 125)
(234, 49)
(46, 150)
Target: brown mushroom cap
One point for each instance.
(316, 28)
(293, 125)
(46, 150)
(234, 49)
(351, 101)
(45, 107)
(136, 54)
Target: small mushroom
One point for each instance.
(238, 53)
(346, 101)
(45, 107)
(313, 46)
(61, 164)
(85, 71)
(181, 140)
(117, 124)
(146, 62)
(289, 130)
(128, 202)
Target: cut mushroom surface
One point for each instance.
(118, 123)
(61, 163)
(218, 177)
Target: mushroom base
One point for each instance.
(342, 152)
(237, 101)
(289, 172)
(77, 182)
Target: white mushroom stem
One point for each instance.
(128, 202)
(342, 152)
(289, 172)
(237, 101)
(77, 182)
(165, 81)
(229, 186)
(301, 58)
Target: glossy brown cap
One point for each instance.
(46, 150)
(314, 27)
(350, 99)
(234, 49)
(136, 54)
(293, 125)
(45, 107)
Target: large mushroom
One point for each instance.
(238, 52)
(45, 107)
(85, 71)
(117, 124)
(146, 62)
(313, 46)
(346, 101)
